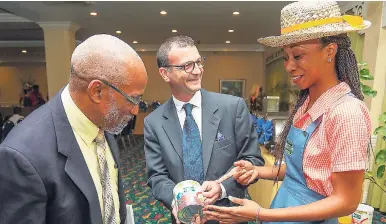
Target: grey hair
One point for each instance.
(347, 71)
(168, 44)
(102, 57)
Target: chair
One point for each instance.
(7, 127)
(265, 129)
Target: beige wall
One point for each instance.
(219, 65)
(11, 84)
(233, 65)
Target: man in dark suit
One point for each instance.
(196, 135)
(61, 163)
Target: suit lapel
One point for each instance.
(76, 167)
(115, 151)
(113, 147)
(210, 123)
(172, 128)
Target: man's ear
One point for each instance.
(94, 90)
(164, 74)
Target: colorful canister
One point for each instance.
(363, 214)
(189, 200)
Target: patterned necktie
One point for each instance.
(107, 194)
(191, 147)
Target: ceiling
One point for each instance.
(206, 22)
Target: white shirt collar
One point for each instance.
(196, 101)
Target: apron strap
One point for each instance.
(311, 128)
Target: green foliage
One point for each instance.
(380, 157)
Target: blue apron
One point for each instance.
(294, 191)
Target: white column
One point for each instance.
(59, 41)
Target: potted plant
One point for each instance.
(380, 157)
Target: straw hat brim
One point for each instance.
(311, 33)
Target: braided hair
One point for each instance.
(347, 71)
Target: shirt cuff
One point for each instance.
(223, 192)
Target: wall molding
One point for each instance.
(274, 56)
(59, 25)
(11, 18)
(39, 56)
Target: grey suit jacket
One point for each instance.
(43, 175)
(221, 113)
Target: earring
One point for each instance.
(329, 60)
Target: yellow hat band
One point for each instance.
(353, 21)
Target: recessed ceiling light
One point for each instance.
(174, 31)
(236, 13)
(118, 32)
(143, 50)
(231, 31)
(135, 42)
(93, 13)
(227, 42)
(24, 51)
(163, 13)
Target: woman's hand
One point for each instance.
(197, 219)
(245, 172)
(246, 212)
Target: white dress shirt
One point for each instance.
(197, 115)
(196, 111)
(15, 118)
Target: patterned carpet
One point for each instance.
(146, 208)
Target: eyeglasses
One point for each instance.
(189, 66)
(130, 99)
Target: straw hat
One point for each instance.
(305, 20)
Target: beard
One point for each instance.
(114, 122)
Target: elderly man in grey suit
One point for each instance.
(196, 135)
(61, 164)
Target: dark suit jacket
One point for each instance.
(43, 175)
(221, 113)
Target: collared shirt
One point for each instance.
(85, 133)
(15, 118)
(340, 142)
(197, 115)
(196, 111)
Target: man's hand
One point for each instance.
(174, 212)
(227, 175)
(211, 192)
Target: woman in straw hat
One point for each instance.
(323, 146)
